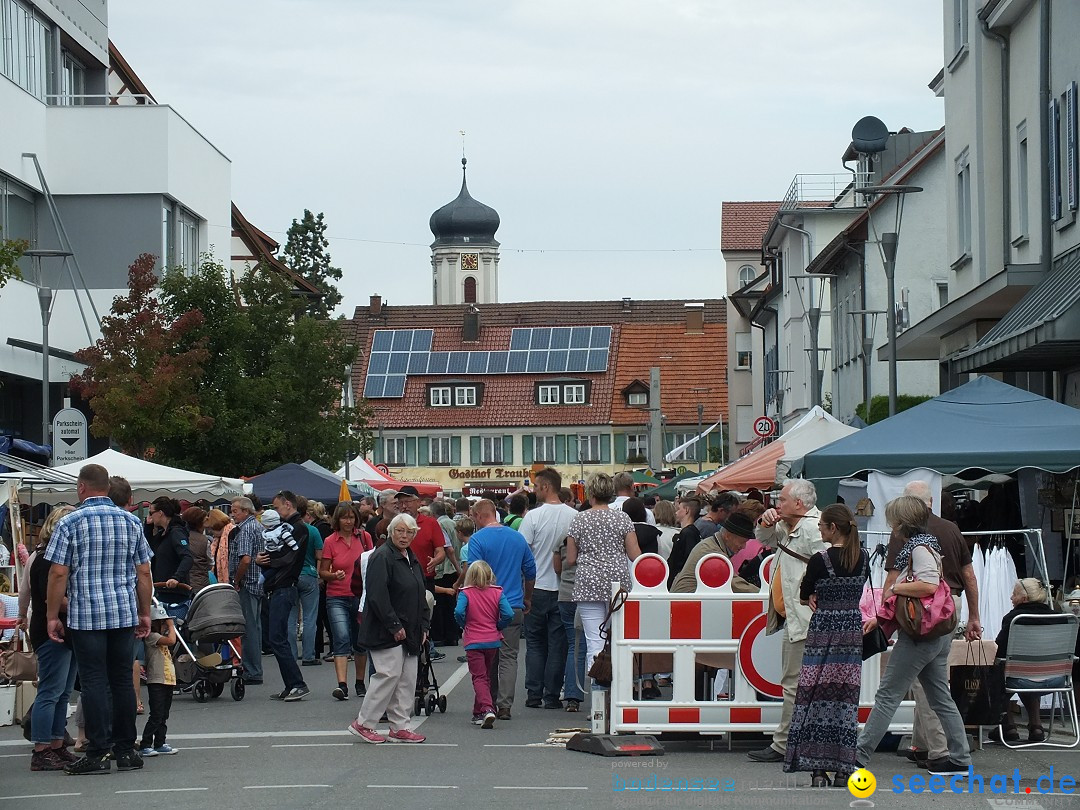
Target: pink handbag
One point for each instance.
(925, 617)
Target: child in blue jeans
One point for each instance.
(482, 611)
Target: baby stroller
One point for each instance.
(427, 687)
(214, 619)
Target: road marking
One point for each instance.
(8, 756)
(38, 796)
(1019, 801)
(536, 787)
(349, 745)
(416, 787)
(164, 790)
(276, 787)
(210, 747)
(445, 689)
(514, 745)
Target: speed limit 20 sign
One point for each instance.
(764, 426)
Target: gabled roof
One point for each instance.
(743, 224)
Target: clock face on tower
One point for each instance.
(469, 261)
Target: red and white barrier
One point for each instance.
(725, 629)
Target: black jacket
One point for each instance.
(172, 560)
(283, 569)
(396, 598)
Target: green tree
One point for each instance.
(879, 406)
(142, 375)
(307, 253)
(273, 380)
(11, 250)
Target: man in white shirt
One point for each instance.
(545, 528)
(624, 488)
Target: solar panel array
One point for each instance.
(397, 353)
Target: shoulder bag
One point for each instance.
(18, 664)
(927, 617)
(875, 642)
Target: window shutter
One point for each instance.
(1070, 145)
(410, 451)
(571, 449)
(1055, 171)
(620, 448)
(455, 450)
(474, 449)
(526, 449)
(560, 449)
(508, 449)
(423, 452)
(605, 448)
(377, 451)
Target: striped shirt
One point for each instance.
(246, 540)
(101, 545)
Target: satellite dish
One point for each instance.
(869, 135)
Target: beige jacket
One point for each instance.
(686, 581)
(804, 539)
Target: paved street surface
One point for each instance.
(262, 753)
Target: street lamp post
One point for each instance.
(697, 444)
(45, 301)
(870, 317)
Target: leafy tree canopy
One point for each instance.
(307, 253)
(879, 406)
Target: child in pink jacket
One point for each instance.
(482, 611)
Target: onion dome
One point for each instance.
(465, 220)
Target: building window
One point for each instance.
(25, 48)
(960, 25)
(744, 423)
(470, 290)
(744, 353)
(942, 293)
(637, 446)
(747, 273)
(548, 395)
(394, 451)
(963, 206)
(188, 258)
(1069, 143)
(1021, 181)
(17, 218)
(439, 450)
(72, 82)
(589, 449)
(168, 237)
(637, 399)
(687, 454)
(465, 395)
(574, 395)
(440, 396)
(544, 449)
(491, 449)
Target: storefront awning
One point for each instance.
(1042, 332)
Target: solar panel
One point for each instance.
(519, 338)
(601, 337)
(421, 340)
(374, 386)
(580, 337)
(402, 340)
(517, 362)
(383, 341)
(557, 360)
(418, 362)
(497, 362)
(478, 362)
(399, 363)
(459, 363)
(437, 362)
(380, 361)
(578, 360)
(597, 360)
(541, 339)
(395, 386)
(537, 363)
(560, 338)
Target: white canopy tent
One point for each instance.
(148, 480)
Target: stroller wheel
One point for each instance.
(216, 689)
(237, 689)
(418, 707)
(442, 704)
(200, 692)
(431, 703)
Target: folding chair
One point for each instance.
(1041, 649)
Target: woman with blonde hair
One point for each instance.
(482, 611)
(219, 526)
(600, 542)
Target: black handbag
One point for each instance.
(978, 689)
(874, 642)
(600, 671)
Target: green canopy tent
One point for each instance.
(982, 425)
(667, 490)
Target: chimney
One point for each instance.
(376, 305)
(626, 305)
(695, 318)
(471, 331)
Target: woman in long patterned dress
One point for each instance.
(825, 718)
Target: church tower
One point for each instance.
(465, 255)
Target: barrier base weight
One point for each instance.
(616, 745)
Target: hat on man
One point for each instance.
(740, 525)
(408, 492)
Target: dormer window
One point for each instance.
(548, 395)
(465, 395)
(574, 394)
(637, 399)
(439, 396)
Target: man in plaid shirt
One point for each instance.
(245, 543)
(101, 563)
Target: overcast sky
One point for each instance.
(606, 133)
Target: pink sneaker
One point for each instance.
(366, 734)
(405, 736)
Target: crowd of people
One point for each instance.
(385, 583)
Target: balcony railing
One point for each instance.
(825, 191)
(108, 100)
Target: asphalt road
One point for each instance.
(266, 754)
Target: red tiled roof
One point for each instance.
(687, 362)
(509, 399)
(743, 224)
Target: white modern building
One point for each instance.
(1013, 263)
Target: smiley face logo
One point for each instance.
(862, 784)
